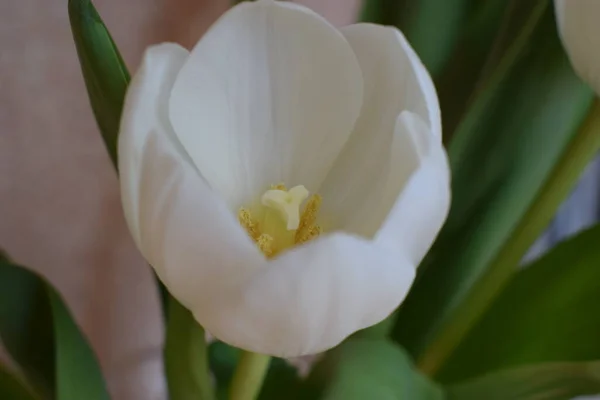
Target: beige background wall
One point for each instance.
(59, 208)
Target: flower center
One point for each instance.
(279, 224)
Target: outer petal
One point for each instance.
(145, 110)
(312, 298)
(580, 32)
(395, 81)
(270, 94)
(305, 301)
(422, 206)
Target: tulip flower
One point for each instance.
(580, 33)
(284, 178)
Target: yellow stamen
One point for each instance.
(308, 234)
(248, 223)
(274, 235)
(308, 218)
(265, 244)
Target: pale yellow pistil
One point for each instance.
(283, 225)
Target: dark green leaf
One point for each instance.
(105, 74)
(371, 369)
(488, 31)
(432, 27)
(26, 326)
(282, 382)
(78, 374)
(186, 358)
(514, 158)
(437, 28)
(13, 388)
(384, 12)
(548, 312)
(61, 365)
(223, 359)
(556, 381)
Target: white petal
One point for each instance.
(145, 110)
(395, 81)
(168, 205)
(393, 74)
(312, 298)
(580, 32)
(270, 94)
(303, 302)
(422, 206)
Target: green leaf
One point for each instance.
(371, 369)
(383, 12)
(282, 382)
(223, 359)
(436, 28)
(514, 159)
(78, 374)
(432, 27)
(555, 381)
(490, 28)
(105, 74)
(12, 387)
(62, 365)
(186, 356)
(26, 326)
(548, 312)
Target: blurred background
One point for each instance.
(60, 211)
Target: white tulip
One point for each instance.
(273, 94)
(579, 28)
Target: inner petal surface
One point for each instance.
(270, 94)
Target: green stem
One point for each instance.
(249, 376)
(186, 358)
(573, 161)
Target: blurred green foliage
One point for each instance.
(40, 334)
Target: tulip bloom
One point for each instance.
(580, 33)
(284, 178)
